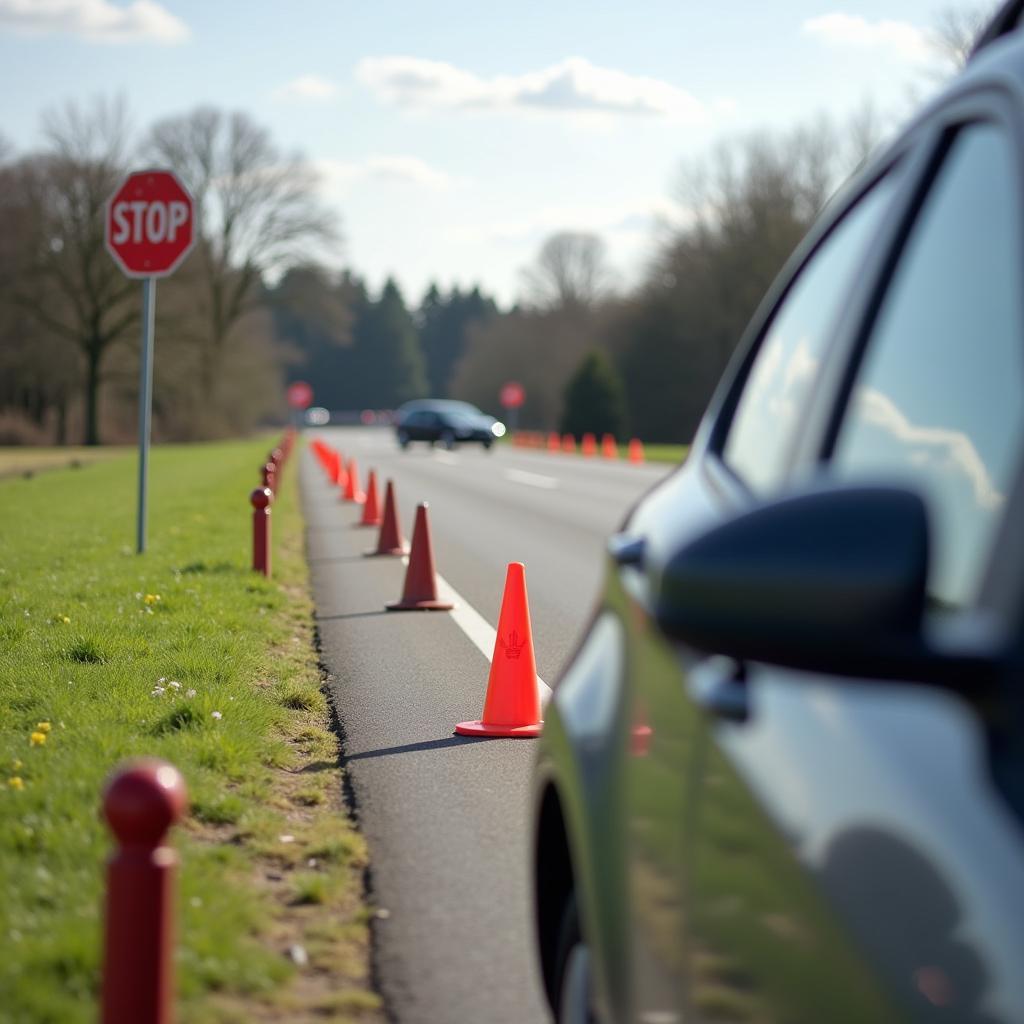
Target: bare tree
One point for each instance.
(571, 272)
(61, 278)
(257, 211)
(955, 32)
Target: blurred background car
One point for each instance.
(783, 776)
(445, 422)
(317, 416)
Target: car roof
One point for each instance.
(1006, 20)
(439, 405)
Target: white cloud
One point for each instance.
(307, 87)
(638, 218)
(95, 20)
(402, 170)
(941, 448)
(899, 38)
(573, 85)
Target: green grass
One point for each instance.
(29, 459)
(666, 452)
(217, 676)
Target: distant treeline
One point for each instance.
(249, 311)
(642, 362)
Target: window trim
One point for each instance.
(985, 107)
(996, 592)
(894, 164)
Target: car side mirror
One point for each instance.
(829, 580)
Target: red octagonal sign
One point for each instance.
(149, 224)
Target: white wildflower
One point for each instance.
(216, 714)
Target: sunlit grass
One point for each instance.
(184, 654)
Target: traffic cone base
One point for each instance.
(386, 553)
(426, 605)
(507, 731)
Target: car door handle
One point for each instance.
(719, 686)
(627, 550)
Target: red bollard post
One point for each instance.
(262, 498)
(142, 800)
(269, 472)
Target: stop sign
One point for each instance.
(300, 394)
(149, 224)
(512, 395)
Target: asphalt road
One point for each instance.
(447, 818)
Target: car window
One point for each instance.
(938, 398)
(783, 372)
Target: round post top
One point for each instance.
(142, 800)
(262, 497)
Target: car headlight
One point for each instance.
(498, 429)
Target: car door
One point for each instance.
(853, 859)
(680, 968)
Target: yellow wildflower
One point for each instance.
(63, 618)
(37, 739)
(151, 599)
(14, 782)
(16, 764)
(43, 726)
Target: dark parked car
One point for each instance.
(783, 777)
(445, 422)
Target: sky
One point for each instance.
(454, 137)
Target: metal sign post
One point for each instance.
(145, 405)
(149, 229)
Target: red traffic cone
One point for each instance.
(512, 705)
(568, 444)
(352, 491)
(554, 442)
(420, 590)
(371, 508)
(609, 447)
(389, 540)
(588, 446)
(636, 451)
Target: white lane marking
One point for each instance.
(520, 476)
(447, 458)
(481, 633)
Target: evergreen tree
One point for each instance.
(387, 363)
(443, 324)
(595, 399)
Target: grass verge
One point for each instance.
(184, 654)
(29, 460)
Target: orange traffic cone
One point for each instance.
(588, 446)
(420, 590)
(352, 491)
(340, 472)
(554, 442)
(512, 705)
(389, 540)
(371, 508)
(568, 444)
(636, 451)
(609, 447)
